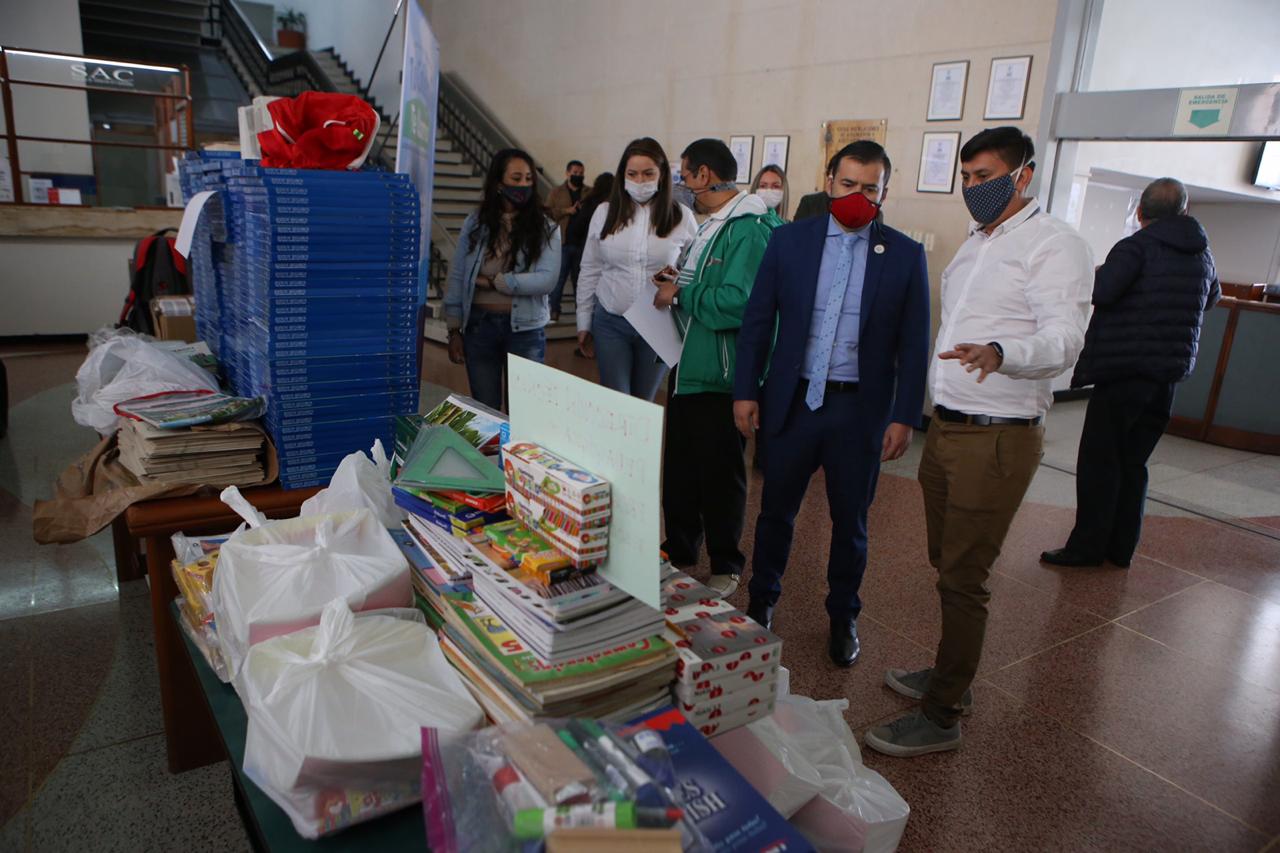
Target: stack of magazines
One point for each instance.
(227, 455)
(317, 305)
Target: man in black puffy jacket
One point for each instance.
(1149, 301)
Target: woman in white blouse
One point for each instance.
(633, 236)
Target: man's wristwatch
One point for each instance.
(999, 350)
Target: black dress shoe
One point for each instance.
(1063, 557)
(761, 613)
(844, 646)
(1119, 564)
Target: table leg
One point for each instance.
(128, 566)
(191, 739)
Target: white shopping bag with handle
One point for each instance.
(336, 712)
(360, 481)
(276, 577)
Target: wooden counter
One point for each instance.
(1233, 397)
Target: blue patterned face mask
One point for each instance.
(682, 194)
(987, 200)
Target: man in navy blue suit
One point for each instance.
(846, 369)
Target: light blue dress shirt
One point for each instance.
(844, 355)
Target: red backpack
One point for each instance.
(156, 270)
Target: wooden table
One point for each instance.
(266, 824)
(191, 739)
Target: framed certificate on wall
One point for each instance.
(1007, 89)
(946, 90)
(742, 146)
(775, 152)
(938, 162)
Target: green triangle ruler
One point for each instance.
(442, 459)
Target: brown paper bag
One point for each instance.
(96, 489)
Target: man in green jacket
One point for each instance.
(704, 491)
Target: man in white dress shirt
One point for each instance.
(1015, 304)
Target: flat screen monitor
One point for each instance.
(1268, 174)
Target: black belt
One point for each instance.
(836, 387)
(951, 416)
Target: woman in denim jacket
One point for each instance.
(506, 263)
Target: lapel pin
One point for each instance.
(879, 248)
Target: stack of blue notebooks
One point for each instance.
(316, 306)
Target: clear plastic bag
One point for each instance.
(856, 808)
(277, 577)
(123, 366)
(505, 788)
(336, 711)
(360, 482)
(773, 763)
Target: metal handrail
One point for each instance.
(478, 134)
(374, 73)
(244, 24)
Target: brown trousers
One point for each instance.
(973, 479)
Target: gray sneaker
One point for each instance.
(724, 585)
(912, 735)
(913, 684)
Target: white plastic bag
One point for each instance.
(360, 482)
(856, 809)
(126, 366)
(767, 758)
(336, 711)
(276, 577)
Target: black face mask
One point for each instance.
(519, 196)
(576, 181)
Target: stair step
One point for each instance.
(446, 208)
(471, 196)
(448, 156)
(461, 170)
(452, 221)
(455, 182)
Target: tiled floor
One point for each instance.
(1116, 710)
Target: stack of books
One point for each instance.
(435, 518)
(227, 455)
(317, 287)
(728, 670)
(544, 633)
(603, 678)
(615, 681)
(562, 620)
(202, 171)
(431, 582)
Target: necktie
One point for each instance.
(830, 318)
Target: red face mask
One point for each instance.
(853, 210)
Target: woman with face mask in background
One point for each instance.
(506, 263)
(633, 236)
(771, 185)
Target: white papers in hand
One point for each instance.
(658, 328)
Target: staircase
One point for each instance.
(467, 136)
(122, 26)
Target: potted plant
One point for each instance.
(293, 29)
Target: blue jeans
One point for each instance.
(570, 261)
(486, 342)
(627, 363)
